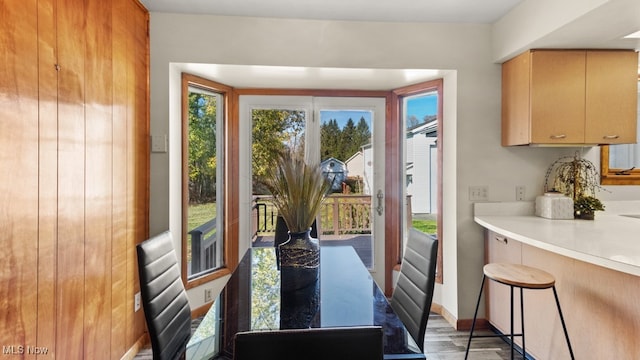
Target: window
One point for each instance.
(420, 108)
(203, 240)
(620, 164)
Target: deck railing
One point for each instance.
(339, 215)
(206, 251)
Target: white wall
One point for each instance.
(471, 135)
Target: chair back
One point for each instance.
(413, 293)
(164, 299)
(348, 343)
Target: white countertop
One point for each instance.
(611, 240)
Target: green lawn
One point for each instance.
(200, 214)
(426, 226)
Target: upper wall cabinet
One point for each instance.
(570, 97)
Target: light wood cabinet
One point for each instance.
(75, 160)
(570, 97)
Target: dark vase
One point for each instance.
(299, 259)
(299, 308)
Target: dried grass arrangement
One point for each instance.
(298, 190)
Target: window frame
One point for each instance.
(613, 176)
(399, 95)
(190, 80)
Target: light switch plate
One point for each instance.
(478, 193)
(159, 143)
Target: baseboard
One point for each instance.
(465, 324)
(462, 325)
(137, 346)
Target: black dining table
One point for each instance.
(255, 298)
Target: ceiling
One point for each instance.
(431, 11)
(448, 11)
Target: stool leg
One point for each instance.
(512, 340)
(475, 315)
(524, 352)
(564, 327)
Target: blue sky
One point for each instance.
(418, 106)
(422, 106)
(342, 116)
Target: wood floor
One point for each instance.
(442, 342)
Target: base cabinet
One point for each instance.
(601, 307)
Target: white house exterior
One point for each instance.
(335, 170)
(421, 154)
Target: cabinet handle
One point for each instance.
(561, 136)
(502, 240)
(609, 137)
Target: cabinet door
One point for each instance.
(515, 100)
(611, 94)
(501, 249)
(557, 96)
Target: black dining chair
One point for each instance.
(164, 299)
(338, 343)
(413, 293)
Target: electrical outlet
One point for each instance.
(478, 193)
(136, 302)
(207, 295)
(520, 192)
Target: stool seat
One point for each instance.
(519, 275)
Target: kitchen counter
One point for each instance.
(596, 265)
(611, 240)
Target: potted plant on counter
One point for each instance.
(585, 207)
(578, 179)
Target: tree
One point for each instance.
(412, 121)
(329, 139)
(274, 131)
(362, 135)
(202, 147)
(348, 144)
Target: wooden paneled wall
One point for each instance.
(74, 176)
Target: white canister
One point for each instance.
(554, 206)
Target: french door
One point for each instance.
(343, 135)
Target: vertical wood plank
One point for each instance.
(132, 278)
(71, 179)
(98, 180)
(119, 311)
(137, 152)
(48, 174)
(141, 140)
(18, 174)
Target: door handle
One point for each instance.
(380, 196)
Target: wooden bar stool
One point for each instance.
(522, 277)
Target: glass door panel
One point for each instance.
(204, 221)
(345, 136)
(351, 153)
